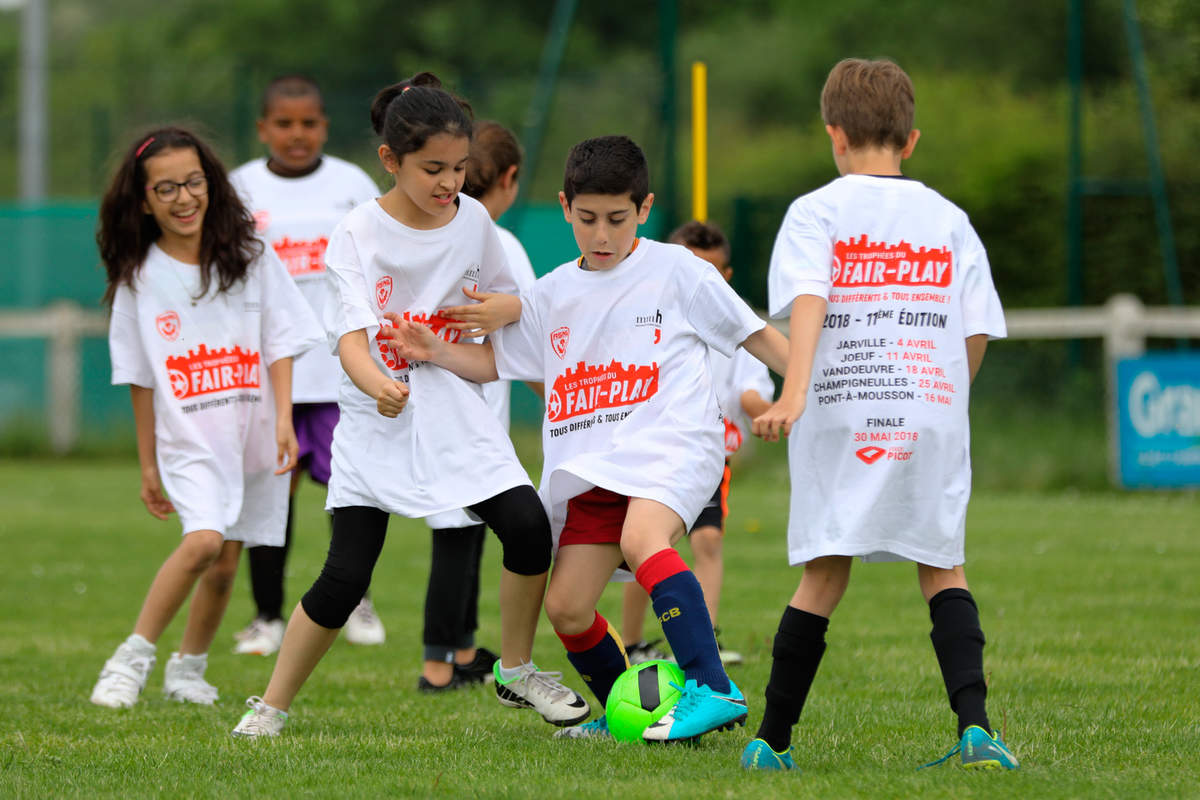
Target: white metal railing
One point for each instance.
(1123, 322)
(63, 324)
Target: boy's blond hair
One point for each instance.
(871, 101)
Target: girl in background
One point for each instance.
(297, 194)
(451, 659)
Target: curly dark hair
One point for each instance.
(228, 243)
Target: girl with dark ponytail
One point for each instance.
(415, 439)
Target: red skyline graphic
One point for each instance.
(860, 263)
(435, 322)
(302, 256)
(203, 372)
(587, 389)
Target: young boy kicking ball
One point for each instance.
(633, 437)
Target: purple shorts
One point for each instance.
(314, 424)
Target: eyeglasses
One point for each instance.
(166, 191)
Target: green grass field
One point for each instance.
(1089, 602)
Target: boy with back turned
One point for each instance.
(891, 305)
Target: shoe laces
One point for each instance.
(547, 684)
(262, 718)
(688, 700)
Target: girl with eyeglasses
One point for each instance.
(205, 324)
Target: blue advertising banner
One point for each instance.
(1158, 420)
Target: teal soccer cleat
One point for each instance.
(699, 711)
(980, 750)
(596, 729)
(759, 755)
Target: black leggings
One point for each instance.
(516, 515)
(452, 597)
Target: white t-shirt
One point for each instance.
(207, 361)
(296, 215)
(880, 460)
(733, 377)
(496, 394)
(630, 404)
(446, 449)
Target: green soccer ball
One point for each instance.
(641, 696)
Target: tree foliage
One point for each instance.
(991, 94)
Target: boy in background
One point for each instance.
(297, 194)
(891, 304)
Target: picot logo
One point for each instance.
(870, 454)
(168, 325)
(383, 290)
(558, 341)
(302, 256)
(435, 322)
(653, 320)
(588, 389)
(202, 372)
(862, 263)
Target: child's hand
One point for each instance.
(392, 397)
(152, 495)
(408, 339)
(288, 453)
(777, 419)
(493, 311)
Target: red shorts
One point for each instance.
(594, 517)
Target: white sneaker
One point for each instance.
(541, 691)
(124, 676)
(260, 720)
(184, 680)
(260, 638)
(364, 626)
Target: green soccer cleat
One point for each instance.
(759, 755)
(980, 750)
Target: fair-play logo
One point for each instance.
(869, 454)
(558, 341)
(168, 325)
(383, 290)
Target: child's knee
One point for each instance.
(706, 543)
(199, 550)
(221, 573)
(566, 611)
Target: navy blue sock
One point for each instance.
(679, 603)
(598, 657)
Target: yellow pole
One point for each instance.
(699, 141)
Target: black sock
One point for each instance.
(958, 642)
(799, 645)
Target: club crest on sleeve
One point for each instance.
(168, 325)
(558, 341)
(383, 290)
